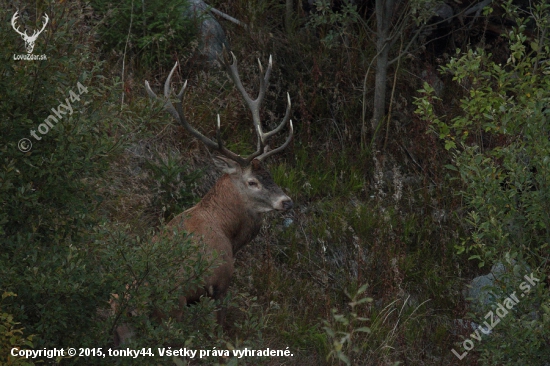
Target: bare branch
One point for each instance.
(228, 17)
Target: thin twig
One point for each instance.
(228, 17)
(124, 55)
(419, 31)
(391, 98)
(416, 163)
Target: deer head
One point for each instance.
(250, 179)
(29, 40)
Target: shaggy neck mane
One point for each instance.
(224, 205)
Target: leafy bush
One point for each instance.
(48, 195)
(154, 32)
(11, 337)
(174, 184)
(138, 269)
(61, 257)
(334, 25)
(501, 148)
(350, 326)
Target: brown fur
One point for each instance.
(226, 219)
(225, 224)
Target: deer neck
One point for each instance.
(225, 205)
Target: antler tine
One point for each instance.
(233, 71)
(228, 153)
(261, 142)
(16, 28)
(178, 115)
(167, 88)
(264, 81)
(283, 122)
(254, 105)
(46, 19)
(259, 151)
(167, 103)
(280, 148)
(218, 134)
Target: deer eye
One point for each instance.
(252, 183)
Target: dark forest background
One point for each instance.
(420, 162)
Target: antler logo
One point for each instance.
(29, 40)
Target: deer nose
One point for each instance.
(287, 204)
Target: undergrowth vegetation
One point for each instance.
(146, 34)
(500, 151)
(368, 268)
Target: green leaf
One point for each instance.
(449, 145)
(362, 289)
(363, 329)
(451, 167)
(344, 358)
(330, 332)
(364, 300)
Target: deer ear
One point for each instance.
(226, 165)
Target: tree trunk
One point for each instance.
(384, 11)
(289, 9)
(380, 87)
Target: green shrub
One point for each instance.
(148, 277)
(152, 32)
(344, 328)
(501, 148)
(58, 253)
(48, 195)
(11, 337)
(174, 184)
(333, 25)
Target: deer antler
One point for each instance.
(13, 20)
(36, 33)
(177, 113)
(254, 105)
(25, 35)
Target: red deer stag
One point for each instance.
(229, 215)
